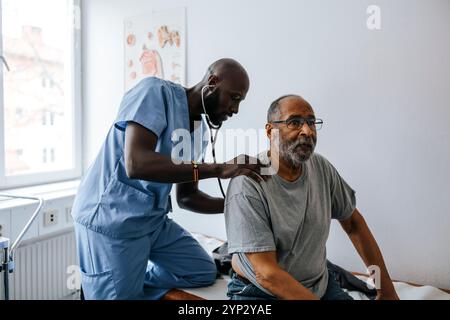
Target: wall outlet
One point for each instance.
(50, 218)
(1, 230)
(68, 214)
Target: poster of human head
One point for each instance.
(155, 45)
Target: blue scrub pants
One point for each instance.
(141, 268)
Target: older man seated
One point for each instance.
(277, 229)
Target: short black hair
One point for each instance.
(274, 109)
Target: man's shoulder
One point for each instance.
(153, 81)
(152, 85)
(242, 181)
(323, 167)
(245, 186)
(320, 164)
(153, 89)
(318, 159)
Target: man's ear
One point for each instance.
(213, 80)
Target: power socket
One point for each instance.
(1, 230)
(50, 218)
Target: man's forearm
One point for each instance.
(152, 166)
(201, 202)
(284, 286)
(369, 251)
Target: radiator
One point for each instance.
(42, 269)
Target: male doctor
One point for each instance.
(128, 248)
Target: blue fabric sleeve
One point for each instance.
(145, 104)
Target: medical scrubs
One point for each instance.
(127, 245)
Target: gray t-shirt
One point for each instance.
(291, 218)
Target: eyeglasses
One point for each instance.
(297, 123)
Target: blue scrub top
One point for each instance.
(107, 200)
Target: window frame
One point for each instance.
(21, 180)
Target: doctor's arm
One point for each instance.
(367, 247)
(189, 197)
(144, 163)
(276, 280)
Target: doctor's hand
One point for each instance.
(242, 165)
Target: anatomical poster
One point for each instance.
(155, 45)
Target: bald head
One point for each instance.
(228, 69)
(274, 110)
(223, 88)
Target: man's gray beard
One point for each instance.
(291, 152)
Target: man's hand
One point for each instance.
(387, 295)
(242, 165)
(364, 242)
(276, 280)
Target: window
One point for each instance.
(40, 132)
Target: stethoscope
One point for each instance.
(213, 138)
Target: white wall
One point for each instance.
(384, 96)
